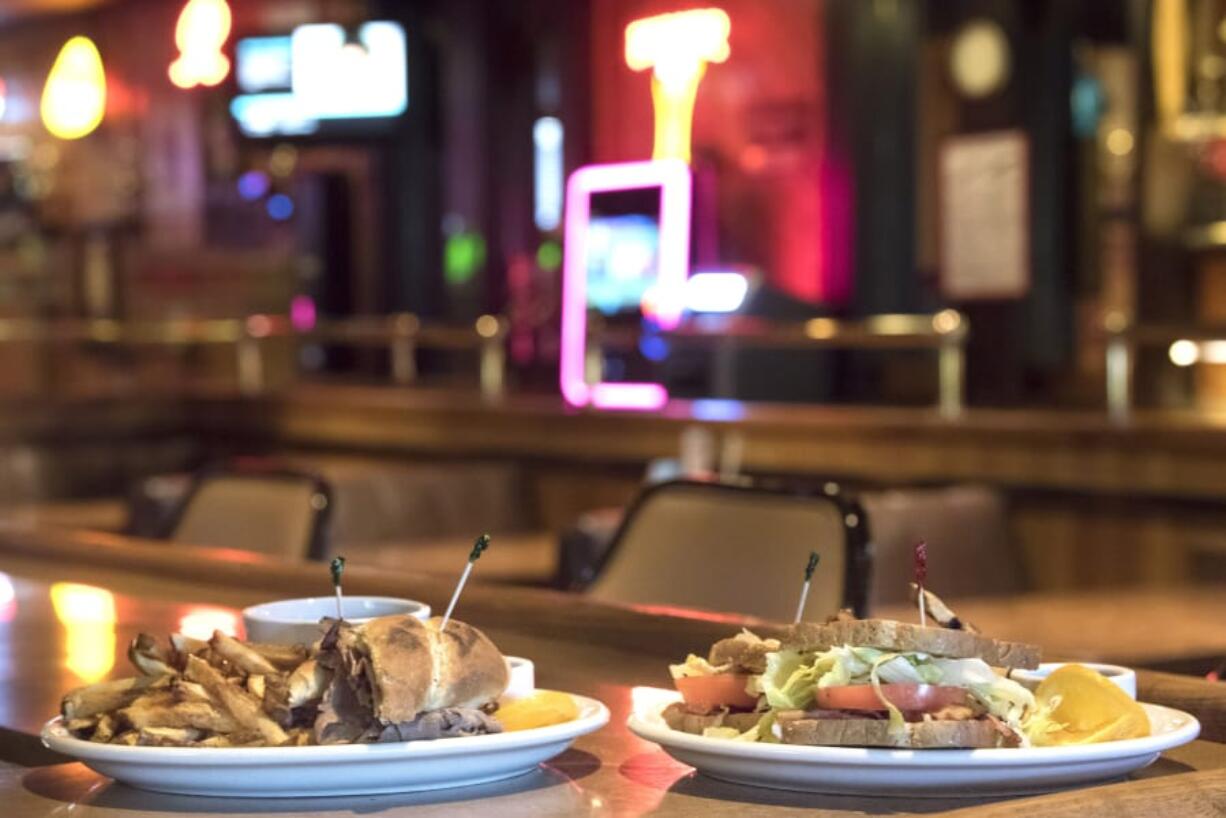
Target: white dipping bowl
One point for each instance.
(1123, 677)
(296, 621)
(523, 678)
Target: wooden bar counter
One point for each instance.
(1155, 454)
(589, 648)
(1091, 501)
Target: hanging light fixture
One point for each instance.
(200, 34)
(74, 99)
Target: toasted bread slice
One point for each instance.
(744, 655)
(976, 733)
(678, 718)
(887, 634)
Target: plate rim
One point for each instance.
(593, 715)
(888, 757)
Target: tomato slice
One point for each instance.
(912, 698)
(720, 690)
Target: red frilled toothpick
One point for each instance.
(921, 574)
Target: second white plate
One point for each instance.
(873, 771)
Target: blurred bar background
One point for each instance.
(958, 263)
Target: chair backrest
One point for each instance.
(281, 513)
(966, 529)
(737, 549)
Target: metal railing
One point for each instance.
(1123, 341)
(945, 332)
(402, 334)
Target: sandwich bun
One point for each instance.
(415, 668)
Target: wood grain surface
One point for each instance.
(1191, 794)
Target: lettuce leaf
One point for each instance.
(1004, 698)
(696, 666)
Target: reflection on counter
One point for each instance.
(200, 621)
(88, 616)
(8, 598)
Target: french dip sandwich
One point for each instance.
(866, 683)
(396, 678)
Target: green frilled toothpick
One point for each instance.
(482, 543)
(338, 568)
(804, 589)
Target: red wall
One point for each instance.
(783, 204)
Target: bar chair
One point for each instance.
(256, 506)
(966, 528)
(736, 548)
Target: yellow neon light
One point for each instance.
(74, 99)
(1169, 43)
(88, 616)
(200, 34)
(677, 48)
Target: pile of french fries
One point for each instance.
(219, 693)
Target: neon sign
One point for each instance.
(320, 73)
(547, 135)
(200, 34)
(677, 48)
(335, 78)
(74, 99)
(716, 291)
(672, 177)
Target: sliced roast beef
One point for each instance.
(450, 722)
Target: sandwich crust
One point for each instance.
(401, 665)
(677, 717)
(413, 668)
(470, 670)
(887, 634)
(975, 733)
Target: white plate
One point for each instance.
(867, 771)
(344, 769)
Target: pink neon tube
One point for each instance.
(673, 178)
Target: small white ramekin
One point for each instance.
(523, 678)
(1123, 677)
(296, 621)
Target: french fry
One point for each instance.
(284, 657)
(184, 644)
(243, 738)
(186, 691)
(148, 657)
(246, 710)
(307, 683)
(216, 693)
(214, 741)
(239, 655)
(196, 715)
(105, 731)
(301, 736)
(104, 697)
(168, 736)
